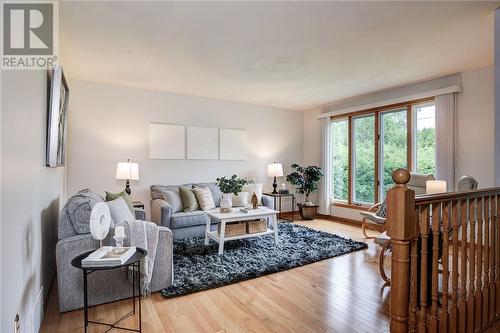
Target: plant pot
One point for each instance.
(308, 212)
(226, 201)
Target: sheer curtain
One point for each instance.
(446, 137)
(324, 189)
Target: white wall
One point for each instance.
(476, 126)
(312, 143)
(476, 133)
(108, 124)
(30, 200)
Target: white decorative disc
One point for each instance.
(100, 221)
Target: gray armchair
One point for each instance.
(105, 286)
(466, 183)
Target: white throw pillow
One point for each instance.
(119, 211)
(254, 188)
(240, 200)
(204, 197)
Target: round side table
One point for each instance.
(135, 262)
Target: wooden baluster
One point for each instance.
(463, 268)
(497, 257)
(486, 280)
(454, 268)
(443, 323)
(414, 282)
(433, 320)
(472, 263)
(401, 227)
(414, 278)
(493, 246)
(424, 235)
(479, 268)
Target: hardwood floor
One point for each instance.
(342, 294)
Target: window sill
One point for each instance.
(350, 206)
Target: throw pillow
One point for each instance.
(254, 188)
(189, 201)
(240, 200)
(173, 198)
(119, 211)
(205, 198)
(113, 196)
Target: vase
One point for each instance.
(226, 201)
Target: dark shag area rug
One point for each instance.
(198, 267)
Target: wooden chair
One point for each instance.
(374, 218)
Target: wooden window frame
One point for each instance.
(377, 113)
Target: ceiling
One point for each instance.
(293, 55)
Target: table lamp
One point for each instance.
(275, 170)
(435, 186)
(127, 171)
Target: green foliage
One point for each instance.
(394, 154)
(231, 185)
(305, 179)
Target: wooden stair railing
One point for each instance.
(445, 274)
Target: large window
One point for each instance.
(369, 145)
(339, 130)
(425, 138)
(393, 146)
(364, 159)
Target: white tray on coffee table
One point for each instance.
(236, 216)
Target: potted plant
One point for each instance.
(306, 181)
(228, 187)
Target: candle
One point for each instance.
(283, 186)
(435, 186)
(120, 231)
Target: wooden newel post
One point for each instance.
(401, 227)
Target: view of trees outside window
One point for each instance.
(364, 159)
(393, 133)
(393, 150)
(425, 152)
(339, 134)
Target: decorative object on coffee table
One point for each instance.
(308, 212)
(275, 170)
(127, 171)
(255, 201)
(278, 204)
(228, 187)
(306, 181)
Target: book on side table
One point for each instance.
(108, 256)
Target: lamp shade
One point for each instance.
(275, 170)
(127, 170)
(435, 186)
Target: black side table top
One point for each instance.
(136, 257)
(278, 194)
(138, 204)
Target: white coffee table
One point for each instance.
(235, 216)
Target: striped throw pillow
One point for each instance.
(205, 198)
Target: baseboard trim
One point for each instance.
(339, 219)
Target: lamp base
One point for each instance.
(275, 186)
(127, 187)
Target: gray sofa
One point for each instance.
(104, 286)
(183, 225)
